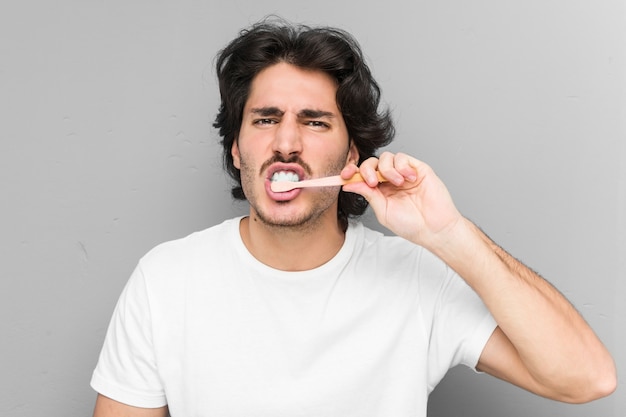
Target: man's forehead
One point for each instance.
(289, 88)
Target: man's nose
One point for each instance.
(287, 140)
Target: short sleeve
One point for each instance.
(126, 369)
(460, 324)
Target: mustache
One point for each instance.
(292, 160)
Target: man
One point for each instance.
(298, 309)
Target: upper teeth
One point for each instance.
(285, 176)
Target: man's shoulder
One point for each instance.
(373, 239)
(202, 242)
(391, 250)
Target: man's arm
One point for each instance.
(106, 407)
(541, 344)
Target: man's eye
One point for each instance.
(317, 123)
(264, 122)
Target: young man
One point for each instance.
(299, 310)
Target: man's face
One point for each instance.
(291, 126)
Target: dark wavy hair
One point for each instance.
(326, 49)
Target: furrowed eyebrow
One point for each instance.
(315, 114)
(303, 114)
(267, 111)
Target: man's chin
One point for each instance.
(283, 222)
(288, 221)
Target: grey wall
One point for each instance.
(106, 150)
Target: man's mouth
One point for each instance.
(284, 172)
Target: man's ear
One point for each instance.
(353, 154)
(234, 151)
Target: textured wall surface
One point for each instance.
(107, 149)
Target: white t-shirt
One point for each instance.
(207, 329)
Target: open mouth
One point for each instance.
(284, 173)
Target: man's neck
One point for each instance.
(292, 248)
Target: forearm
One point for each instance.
(556, 346)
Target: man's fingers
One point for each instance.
(397, 168)
(406, 166)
